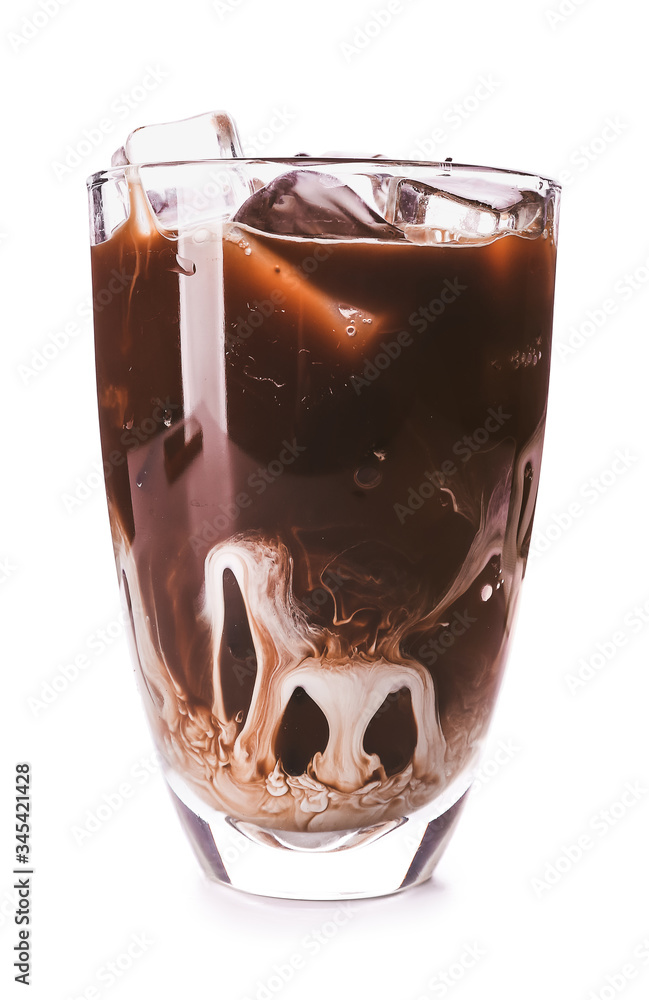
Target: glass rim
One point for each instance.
(445, 167)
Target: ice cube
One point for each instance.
(204, 137)
(428, 214)
(118, 159)
(199, 193)
(526, 217)
(307, 203)
(381, 190)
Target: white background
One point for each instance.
(567, 93)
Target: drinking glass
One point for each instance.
(322, 392)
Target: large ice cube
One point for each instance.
(199, 193)
(203, 137)
(307, 203)
(428, 214)
(526, 217)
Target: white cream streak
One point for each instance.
(348, 691)
(233, 765)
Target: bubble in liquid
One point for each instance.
(486, 592)
(351, 331)
(367, 478)
(247, 251)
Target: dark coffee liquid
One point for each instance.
(355, 435)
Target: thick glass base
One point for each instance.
(340, 864)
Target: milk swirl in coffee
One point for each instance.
(322, 410)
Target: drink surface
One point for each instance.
(322, 461)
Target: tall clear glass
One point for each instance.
(322, 393)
